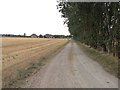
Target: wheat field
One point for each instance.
(18, 53)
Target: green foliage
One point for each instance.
(96, 24)
(41, 36)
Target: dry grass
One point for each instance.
(19, 53)
(108, 62)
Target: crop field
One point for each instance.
(18, 53)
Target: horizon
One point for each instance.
(33, 33)
(39, 17)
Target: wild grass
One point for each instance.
(18, 77)
(108, 62)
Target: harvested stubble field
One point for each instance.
(19, 53)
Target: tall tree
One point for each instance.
(95, 24)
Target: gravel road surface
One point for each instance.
(71, 68)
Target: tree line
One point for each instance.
(56, 36)
(96, 24)
(12, 35)
(40, 36)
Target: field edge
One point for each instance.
(34, 67)
(108, 62)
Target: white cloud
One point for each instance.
(30, 16)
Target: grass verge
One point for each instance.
(108, 62)
(18, 77)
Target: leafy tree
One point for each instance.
(96, 24)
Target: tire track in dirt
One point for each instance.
(71, 68)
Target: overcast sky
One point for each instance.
(31, 16)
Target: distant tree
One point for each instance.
(59, 36)
(40, 36)
(24, 34)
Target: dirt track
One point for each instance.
(71, 68)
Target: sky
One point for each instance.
(31, 16)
